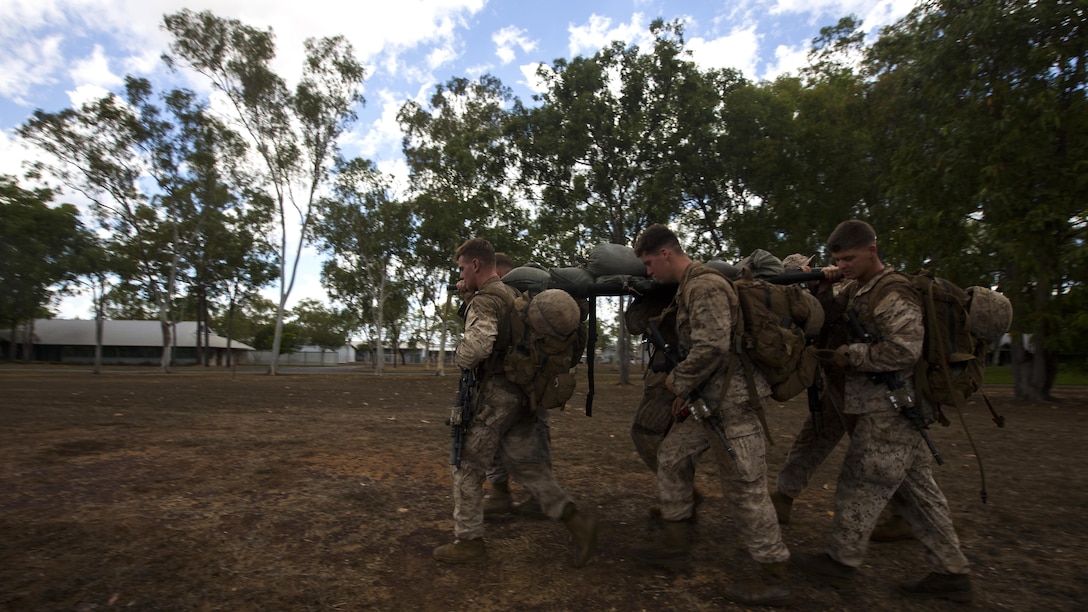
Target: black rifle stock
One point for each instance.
(695, 406)
(672, 354)
(461, 415)
(897, 391)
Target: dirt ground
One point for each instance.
(199, 490)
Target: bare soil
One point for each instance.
(203, 490)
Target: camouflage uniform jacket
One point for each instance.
(486, 328)
(706, 313)
(890, 311)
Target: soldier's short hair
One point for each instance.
(655, 238)
(850, 235)
(476, 248)
(503, 263)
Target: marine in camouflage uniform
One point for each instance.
(821, 431)
(705, 308)
(500, 500)
(885, 453)
(503, 426)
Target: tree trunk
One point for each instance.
(1033, 371)
(623, 345)
(441, 371)
(99, 324)
(28, 342)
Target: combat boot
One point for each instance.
(499, 501)
(583, 532)
(671, 550)
(770, 588)
(462, 552)
(954, 587)
(826, 569)
(783, 504)
(895, 529)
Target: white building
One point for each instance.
(123, 342)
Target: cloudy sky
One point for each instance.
(58, 53)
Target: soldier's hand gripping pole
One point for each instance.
(897, 391)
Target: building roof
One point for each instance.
(78, 332)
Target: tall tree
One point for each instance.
(798, 150)
(39, 247)
(369, 236)
(986, 103)
(322, 326)
(103, 151)
(461, 177)
(605, 146)
(295, 132)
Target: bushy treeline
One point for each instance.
(959, 133)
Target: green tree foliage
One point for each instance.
(39, 248)
(800, 151)
(605, 150)
(321, 326)
(295, 131)
(162, 232)
(369, 236)
(102, 150)
(985, 113)
(460, 173)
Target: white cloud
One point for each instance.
(86, 93)
(94, 71)
(507, 39)
(873, 13)
(532, 79)
(739, 49)
(28, 64)
(35, 33)
(14, 153)
(383, 135)
(440, 56)
(599, 33)
(788, 60)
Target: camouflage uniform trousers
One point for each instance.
(503, 428)
(499, 473)
(653, 418)
(885, 454)
(744, 484)
(812, 446)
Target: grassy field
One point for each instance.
(1067, 376)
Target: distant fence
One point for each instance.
(304, 358)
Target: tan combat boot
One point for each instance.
(672, 550)
(770, 588)
(583, 531)
(499, 501)
(462, 552)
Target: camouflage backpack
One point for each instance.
(770, 332)
(773, 336)
(547, 336)
(960, 324)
